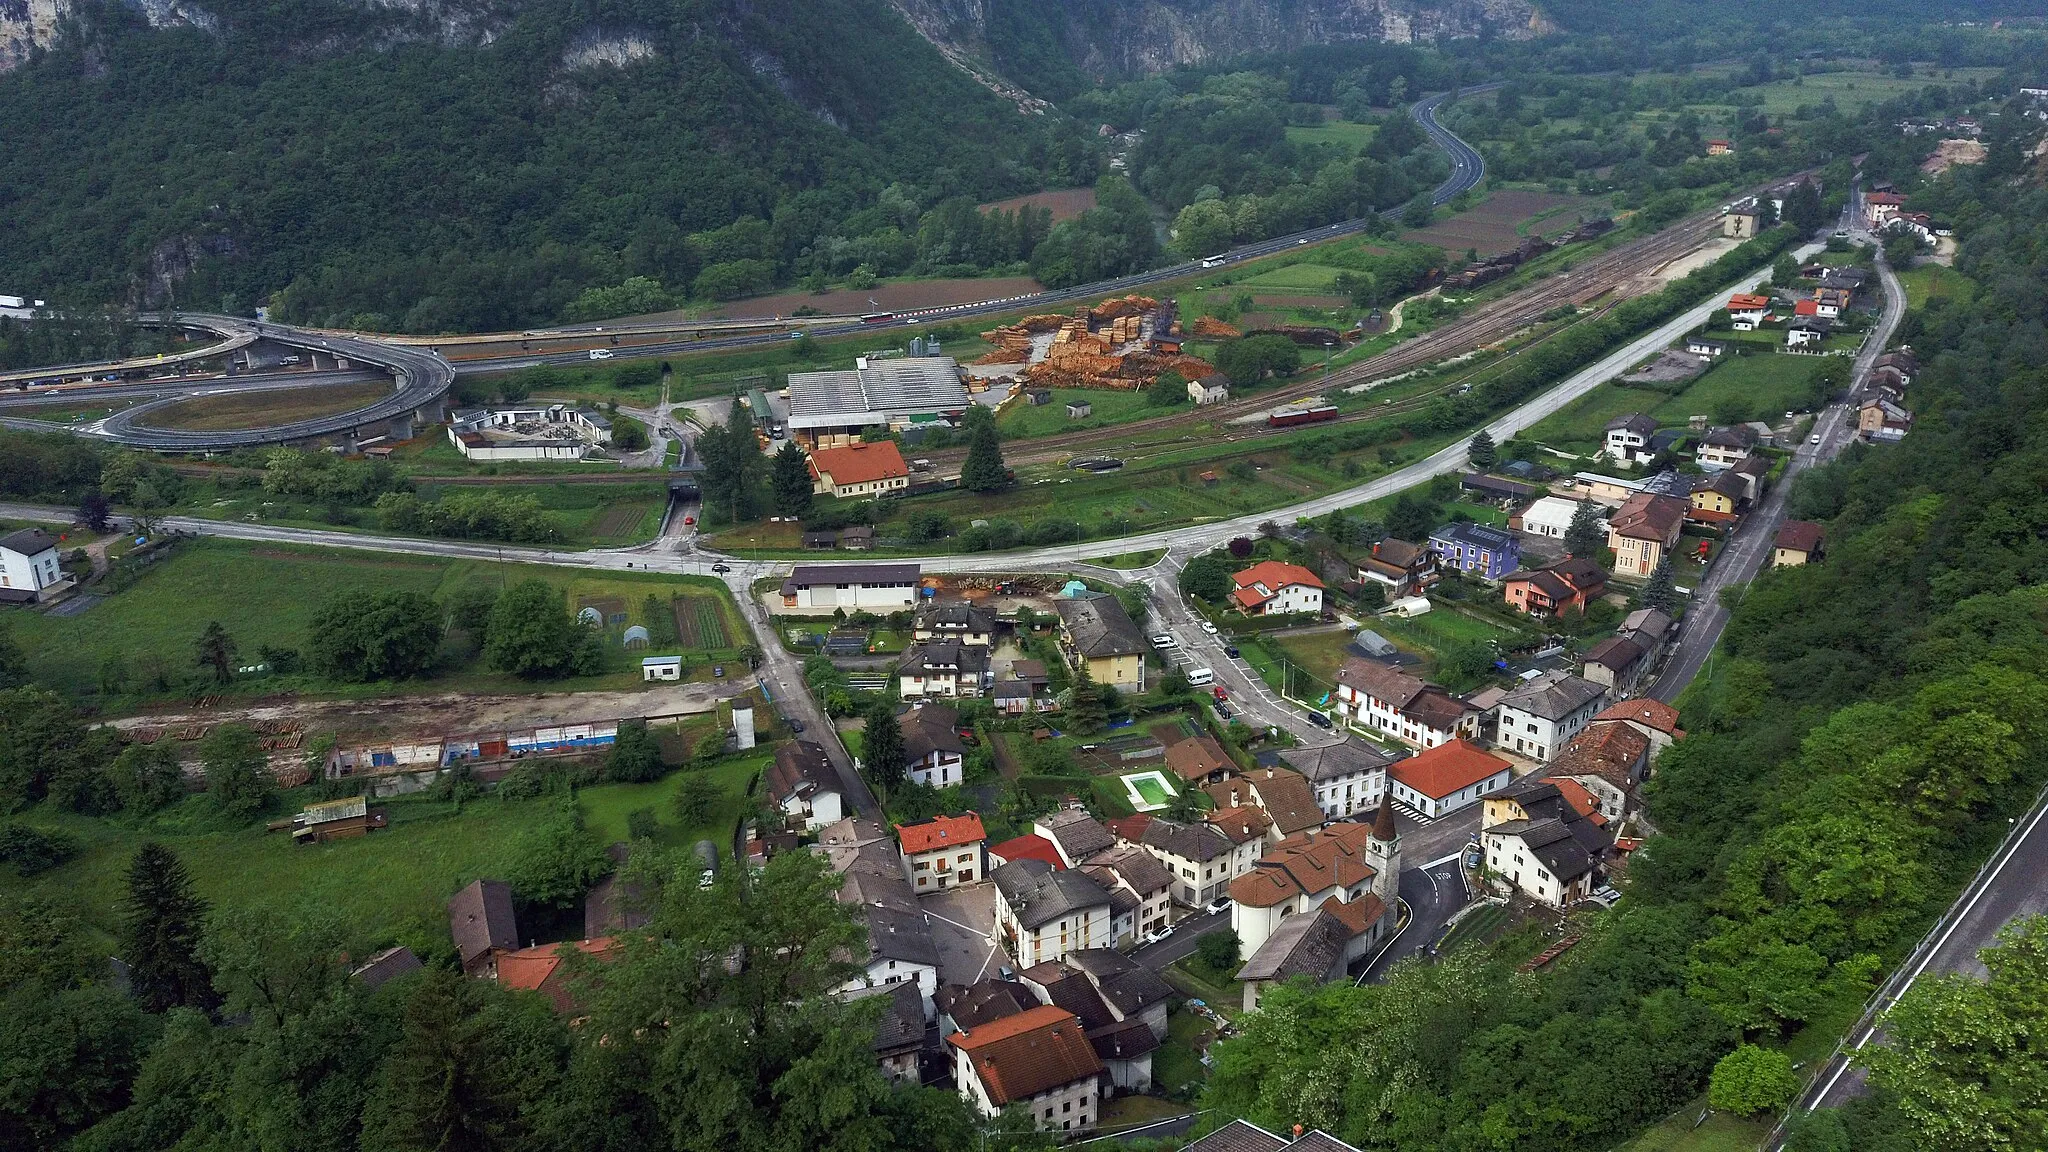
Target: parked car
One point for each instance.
(1230, 650)
(600, 354)
(1208, 627)
(1219, 904)
(1220, 693)
(1320, 720)
(718, 671)
(1223, 711)
(1157, 935)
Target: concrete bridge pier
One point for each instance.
(323, 361)
(435, 411)
(401, 427)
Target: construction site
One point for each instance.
(1122, 344)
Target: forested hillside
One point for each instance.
(384, 170)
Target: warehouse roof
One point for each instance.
(875, 389)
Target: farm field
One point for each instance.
(1932, 281)
(388, 887)
(1065, 203)
(1347, 137)
(1499, 223)
(268, 595)
(257, 409)
(1850, 90)
(1313, 278)
(1024, 421)
(1760, 387)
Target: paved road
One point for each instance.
(1187, 932)
(1746, 552)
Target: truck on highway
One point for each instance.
(1215, 261)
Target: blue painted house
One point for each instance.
(1476, 550)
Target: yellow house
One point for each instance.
(1097, 634)
(1798, 542)
(1720, 493)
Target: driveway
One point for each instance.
(1187, 931)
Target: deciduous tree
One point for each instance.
(557, 862)
(238, 776)
(531, 633)
(1752, 1080)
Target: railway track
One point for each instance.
(1578, 286)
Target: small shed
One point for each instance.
(636, 637)
(1409, 606)
(821, 540)
(858, 538)
(1037, 396)
(1080, 410)
(332, 820)
(743, 728)
(1375, 644)
(661, 668)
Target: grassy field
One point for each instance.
(1021, 421)
(1721, 1133)
(592, 515)
(1850, 91)
(268, 595)
(256, 409)
(1297, 278)
(1346, 136)
(1762, 386)
(388, 887)
(1930, 281)
(1178, 1066)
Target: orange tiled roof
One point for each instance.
(859, 463)
(1017, 1057)
(1447, 768)
(940, 832)
(1264, 580)
(1651, 713)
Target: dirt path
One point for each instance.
(453, 713)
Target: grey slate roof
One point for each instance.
(1307, 944)
(1550, 841)
(957, 618)
(972, 1005)
(386, 965)
(1238, 1136)
(1137, 868)
(1099, 626)
(28, 541)
(1553, 696)
(930, 728)
(1197, 842)
(946, 656)
(1646, 624)
(1336, 761)
(1127, 986)
(1615, 653)
(1038, 895)
(480, 918)
(875, 390)
(1077, 833)
(896, 934)
(901, 1027)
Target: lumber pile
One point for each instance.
(1210, 326)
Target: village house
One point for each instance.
(1029, 846)
(1701, 346)
(1198, 759)
(873, 587)
(1723, 148)
(1539, 715)
(1807, 331)
(1739, 223)
(1880, 207)
(1344, 863)
(1608, 760)
(1074, 835)
(1282, 794)
(1628, 439)
(1881, 418)
(383, 967)
(1274, 588)
(942, 668)
(1446, 778)
(1724, 447)
(1555, 589)
(961, 623)
(855, 470)
(1830, 303)
(1390, 701)
(541, 969)
(1098, 635)
(1655, 720)
(1549, 517)
(481, 920)
(341, 819)
(1022, 690)
(1124, 1046)
(1039, 1059)
(1798, 542)
(1748, 311)
(899, 1031)
(1648, 627)
(1348, 777)
(1042, 912)
(804, 787)
(1533, 837)
(960, 1007)
(1615, 663)
(1402, 567)
(1130, 871)
(1202, 860)
(29, 571)
(932, 746)
(942, 851)
(1718, 497)
(1211, 389)
(1476, 549)
(1643, 531)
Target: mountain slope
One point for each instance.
(462, 167)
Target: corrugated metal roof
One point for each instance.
(875, 389)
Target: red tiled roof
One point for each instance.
(1358, 915)
(1017, 1057)
(859, 463)
(1305, 865)
(1582, 801)
(940, 832)
(1806, 308)
(1028, 847)
(1748, 302)
(1447, 768)
(537, 969)
(1131, 828)
(1799, 536)
(1648, 516)
(1196, 757)
(1264, 580)
(1651, 713)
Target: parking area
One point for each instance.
(963, 926)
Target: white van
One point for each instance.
(1198, 677)
(1165, 640)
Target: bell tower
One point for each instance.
(1383, 852)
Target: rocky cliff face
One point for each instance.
(1104, 38)
(1113, 38)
